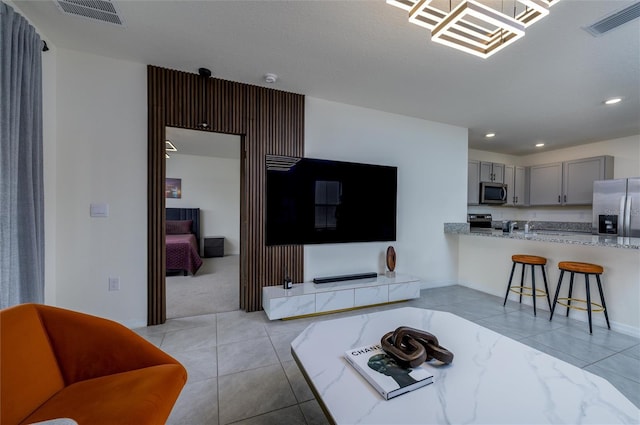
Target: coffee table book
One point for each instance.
(384, 374)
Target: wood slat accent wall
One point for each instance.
(270, 122)
(156, 256)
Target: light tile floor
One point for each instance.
(241, 370)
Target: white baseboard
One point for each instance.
(133, 324)
(424, 284)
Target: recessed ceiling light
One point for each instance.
(490, 135)
(539, 145)
(613, 101)
(270, 78)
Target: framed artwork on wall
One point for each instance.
(173, 188)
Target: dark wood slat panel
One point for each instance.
(151, 200)
(270, 122)
(156, 312)
(274, 113)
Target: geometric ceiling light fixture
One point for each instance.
(169, 146)
(402, 4)
(422, 14)
(507, 30)
(471, 26)
(534, 11)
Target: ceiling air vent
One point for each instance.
(97, 10)
(614, 20)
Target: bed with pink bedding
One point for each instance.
(182, 253)
(183, 240)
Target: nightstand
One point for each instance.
(213, 246)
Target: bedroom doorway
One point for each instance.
(203, 171)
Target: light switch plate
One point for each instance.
(114, 284)
(99, 209)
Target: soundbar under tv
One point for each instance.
(341, 278)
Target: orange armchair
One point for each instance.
(56, 363)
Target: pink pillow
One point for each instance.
(179, 227)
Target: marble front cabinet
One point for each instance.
(310, 298)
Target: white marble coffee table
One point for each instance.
(493, 379)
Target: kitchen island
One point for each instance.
(484, 262)
(554, 236)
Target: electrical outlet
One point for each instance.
(114, 283)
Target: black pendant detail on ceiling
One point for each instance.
(205, 74)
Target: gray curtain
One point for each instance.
(21, 184)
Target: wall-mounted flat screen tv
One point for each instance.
(314, 201)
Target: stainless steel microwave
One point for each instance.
(493, 193)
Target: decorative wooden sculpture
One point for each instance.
(391, 258)
(411, 347)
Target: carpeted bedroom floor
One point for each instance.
(214, 289)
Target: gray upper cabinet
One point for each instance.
(473, 182)
(491, 172)
(579, 175)
(568, 183)
(545, 184)
(520, 186)
(515, 178)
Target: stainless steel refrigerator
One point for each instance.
(616, 207)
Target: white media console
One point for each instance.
(310, 298)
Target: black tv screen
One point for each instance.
(314, 201)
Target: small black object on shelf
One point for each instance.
(287, 283)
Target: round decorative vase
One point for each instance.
(391, 258)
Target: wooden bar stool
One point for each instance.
(529, 291)
(586, 269)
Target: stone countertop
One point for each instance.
(572, 238)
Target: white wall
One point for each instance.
(213, 185)
(626, 163)
(625, 152)
(95, 151)
(101, 157)
(432, 162)
(494, 157)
